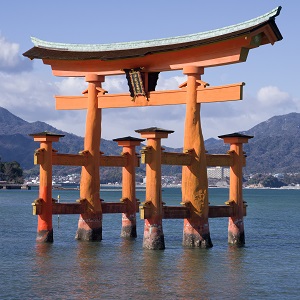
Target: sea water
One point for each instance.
(268, 267)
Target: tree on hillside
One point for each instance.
(291, 178)
(272, 182)
(11, 172)
(266, 181)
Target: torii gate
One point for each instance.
(141, 62)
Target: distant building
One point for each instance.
(218, 173)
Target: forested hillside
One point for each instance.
(275, 147)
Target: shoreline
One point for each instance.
(76, 186)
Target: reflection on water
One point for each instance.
(192, 274)
(152, 265)
(235, 270)
(43, 264)
(89, 264)
(117, 268)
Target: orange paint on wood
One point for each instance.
(153, 230)
(44, 202)
(44, 228)
(236, 224)
(230, 92)
(90, 223)
(129, 145)
(216, 160)
(69, 159)
(172, 158)
(128, 190)
(194, 177)
(236, 233)
(216, 54)
(90, 177)
(113, 161)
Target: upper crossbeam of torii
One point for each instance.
(206, 49)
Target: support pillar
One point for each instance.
(90, 223)
(236, 233)
(153, 230)
(194, 177)
(44, 228)
(128, 185)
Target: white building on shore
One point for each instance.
(218, 173)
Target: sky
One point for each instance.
(27, 88)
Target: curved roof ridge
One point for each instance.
(157, 42)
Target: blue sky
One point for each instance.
(27, 87)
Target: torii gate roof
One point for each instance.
(205, 49)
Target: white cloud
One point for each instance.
(71, 86)
(271, 96)
(221, 118)
(10, 59)
(27, 94)
(116, 84)
(170, 83)
(9, 53)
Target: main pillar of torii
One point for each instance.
(194, 177)
(90, 223)
(142, 61)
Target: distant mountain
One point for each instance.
(16, 144)
(275, 147)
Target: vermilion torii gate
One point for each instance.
(142, 62)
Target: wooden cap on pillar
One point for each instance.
(128, 141)
(154, 132)
(235, 138)
(193, 70)
(46, 136)
(94, 78)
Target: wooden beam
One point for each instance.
(168, 158)
(78, 207)
(175, 212)
(208, 55)
(184, 159)
(222, 160)
(113, 207)
(69, 159)
(113, 161)
(61, 159)
(71, 102)
(177, 159)
(68, 208)
(215, 211)
(231, 92)
(183, 212)
(169, 212)
(220, 211)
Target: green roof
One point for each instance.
(158, 42)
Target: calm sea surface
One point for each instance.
(268, 267)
